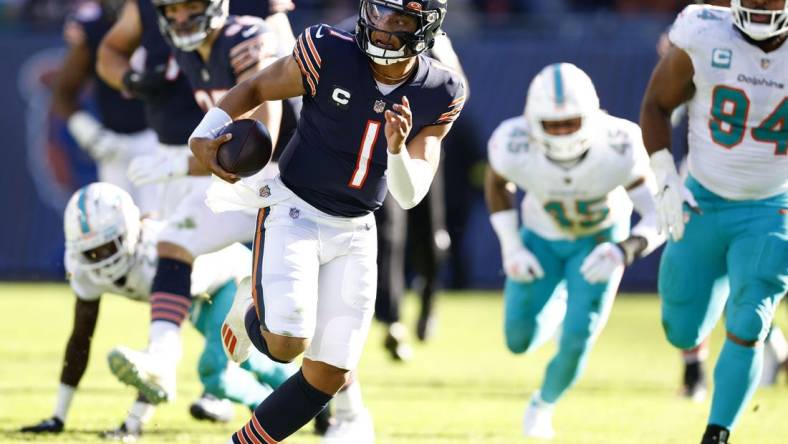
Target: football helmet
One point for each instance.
(414, 23)
(562, 92)
(777, 24)
(213, 17)
(102, 228)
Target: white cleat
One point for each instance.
(235, 341)
(152, 376)
(211, 408)
(356, 430)
(538, 419)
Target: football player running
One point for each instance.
(728, 222)
(109, 250)
(315, 249)
(582, 171)
(192, 228)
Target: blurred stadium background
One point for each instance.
(633, 372)
(502, 44)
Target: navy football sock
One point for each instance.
(283, 412)
(170, 293)
(253, 329)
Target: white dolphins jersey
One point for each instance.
(563, 203)
(738, 127)
(209, 273)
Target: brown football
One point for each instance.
(248, 151)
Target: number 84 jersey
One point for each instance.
(738, 132)
(563, 203)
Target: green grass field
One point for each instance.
(462, 387)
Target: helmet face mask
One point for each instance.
(760, 24)
(561, 111)
(102, 227)
(190, 35)
(390, 32)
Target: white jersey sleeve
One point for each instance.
(504, 149)
(79, 281)
(738, 147)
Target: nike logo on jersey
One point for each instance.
(319, 33)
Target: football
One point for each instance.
(248, 151)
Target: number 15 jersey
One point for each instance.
(336, 161)
(738, 132)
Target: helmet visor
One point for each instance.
(389, 28)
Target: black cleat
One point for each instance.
(396, 343)
(715, 434)
(694, 385)
(49, 425)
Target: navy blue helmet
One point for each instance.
(390, 31)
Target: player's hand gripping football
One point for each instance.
(671, 196)
(205, 149)
(398, 125)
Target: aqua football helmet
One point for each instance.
(776, 24)
(102, 228)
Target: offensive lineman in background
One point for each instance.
(109, 250)
(120, 132)
(577, 166)
(730, 64)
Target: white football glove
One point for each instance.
(603, 261)
(518, 263)
(521, 265)
(98, 141)
(159, 167)
(671, 195)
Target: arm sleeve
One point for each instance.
(308, 52)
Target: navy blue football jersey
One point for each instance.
(236, 53)
(174, 114)
(88, 26)
(243, 41)
(337, 159)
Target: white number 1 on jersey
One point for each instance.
(365, 154)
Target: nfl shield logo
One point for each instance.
(765, 63)
(295, 213)
(379, 106)
(265, 191)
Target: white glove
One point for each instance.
(101, 143)
(159, 167)
(603, 261)
(522, 266)
(518, 263)
(671, 195)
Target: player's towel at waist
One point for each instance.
(259, 191)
